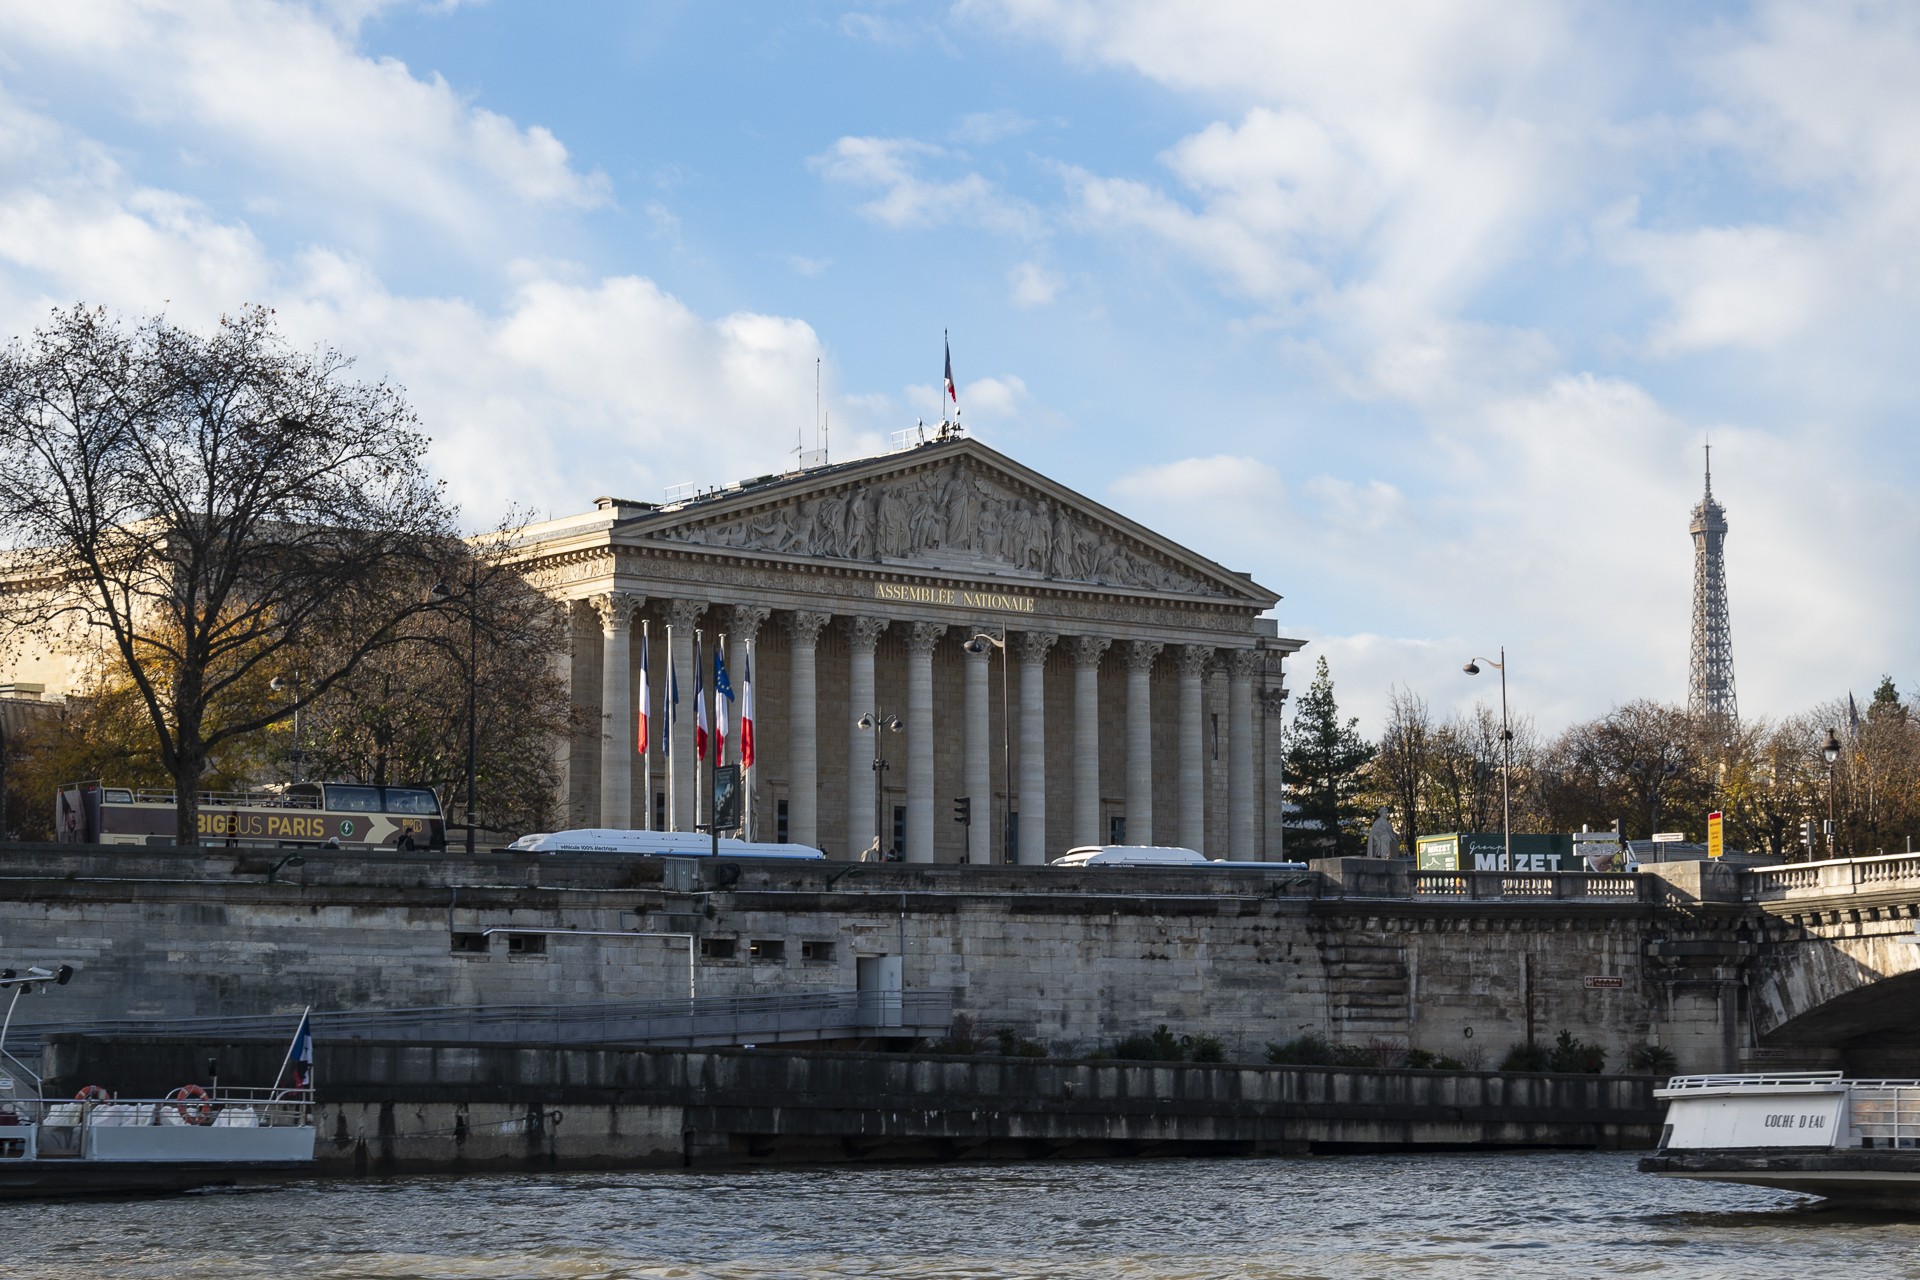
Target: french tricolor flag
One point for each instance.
(951, 393)
(746, 713)
(699, 705)
(640, 738)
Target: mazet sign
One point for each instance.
(1487, 851)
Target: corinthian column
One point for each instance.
(921, 642)
(1240, 837)
(862, 634)
(683, 771)
(1140, 655)
(1192, 662)
(803, 741)
(1033, 746)
(616, 706)
(1087, 652)
(979, 770)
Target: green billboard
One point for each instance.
(1487, 851)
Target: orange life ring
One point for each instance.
(190, 1100)
(93, 1093)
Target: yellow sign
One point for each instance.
(953, 596)
(1716, 836)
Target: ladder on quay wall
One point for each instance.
(1367, 990)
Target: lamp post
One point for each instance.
(979, 644)
(284, 684)
(1832, 752)
(874, 722)
(441, 592)
(1506, 750)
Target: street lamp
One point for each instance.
(442, 593)
(285, 684)
(1832, 752)
(1506, 747)
(980, 642)
(875, 723)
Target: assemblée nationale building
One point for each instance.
(1076, 677)
(1141, 687)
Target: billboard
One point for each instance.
(1487, 851)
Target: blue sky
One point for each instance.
(1418, 312)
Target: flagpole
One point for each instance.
(673, 715)
(646, 757)
(746, 770)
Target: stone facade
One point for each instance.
(1117, 682)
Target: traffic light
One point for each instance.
(963, 810)
(1806, 834)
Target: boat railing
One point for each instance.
(220, 1109)
(1757, 1080)
(1885, 1113)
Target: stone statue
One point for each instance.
(1381, 841)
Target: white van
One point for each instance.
(1130, 855)
(658, 844)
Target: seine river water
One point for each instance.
(1483, 1216)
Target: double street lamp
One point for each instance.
(876, 724)
(1506, 747)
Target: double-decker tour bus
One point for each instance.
(298, 815)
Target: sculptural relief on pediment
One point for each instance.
(951, 517)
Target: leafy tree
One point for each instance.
(1326, 763)
(205, 507)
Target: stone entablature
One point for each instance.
(898, 553)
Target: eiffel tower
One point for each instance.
(1710, 667)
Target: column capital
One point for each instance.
(1192, 659)
(616, 609)
(683, 614)
(805, 627)
(1242, 663)
(924, 637)
(746, 621)
(865, 630)
(1088, 650)
(1140, 655)
(1034, 646)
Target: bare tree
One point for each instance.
(206, 505)
(1400, 769)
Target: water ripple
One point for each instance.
(1399, 1216)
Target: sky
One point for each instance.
(1420, 313)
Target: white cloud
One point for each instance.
(1034, 285)
(908, 200)
(984, 128)
(279, 89)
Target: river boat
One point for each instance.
(96, 1144)
(1811, 1131)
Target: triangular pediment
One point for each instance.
(955, 507)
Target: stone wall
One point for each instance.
(409, 1108)
(1074, 959)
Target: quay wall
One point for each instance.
(1072, 959)
(408, 1107)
